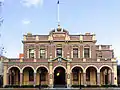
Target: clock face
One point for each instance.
(59, 51)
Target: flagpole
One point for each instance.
(58, 13)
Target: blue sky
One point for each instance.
(101, 17)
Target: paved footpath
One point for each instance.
(60, 89)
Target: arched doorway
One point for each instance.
(105, 75)
(42, 76)
(77, 76)
(28, 76)
(59, 76)
(14, 76)
(91, 76)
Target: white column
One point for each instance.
(115, 74)
(100, 47)
(78, 52)
(55, 51)
(90, 51)
(34, 55)
(68, 75)
(51, 75)
(83, 51)
(98, 78)
(5, 76)
(45, 53)
(72, 53)
(27, 53)
(21, 79)
(62, 53)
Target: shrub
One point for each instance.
(42, 86)
(27, 86)
(93, 86)
(108, 85)
(12, 86)
(77, 86)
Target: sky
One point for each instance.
(101, 17)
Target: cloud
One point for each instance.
(29, 3)
(26, 22)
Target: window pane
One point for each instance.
(75, 53)
(31, 53)
(86, 52)
(42, 53)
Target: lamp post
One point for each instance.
(80, 78)
(40, 80)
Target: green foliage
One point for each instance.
(27, 86)
(77, 86)
(108, 86)
(42, 86)
(93, 86)
(12, 86)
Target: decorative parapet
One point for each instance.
(37, 38)
(100, 47)
(81, 37)
(113, 60)
(24, 38)
(21, 60)
(6, 60)
(67, 37)
(94, 37)
(50, 37)
(29, 34)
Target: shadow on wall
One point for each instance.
(118, 74)
(1, 80)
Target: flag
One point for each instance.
(58, 2)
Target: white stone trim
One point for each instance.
(90, 52)
(92, 66)
(62, 53)
(45, 53)
(59, 66)
(42, 66)
(72, 53)
(100, 47)
(77, 66)
(12, 67)
(28, 53)
(28, 66)
(105, 66)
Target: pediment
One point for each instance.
(61, 34)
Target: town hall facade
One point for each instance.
(61, 59)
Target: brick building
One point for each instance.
(62, 59)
